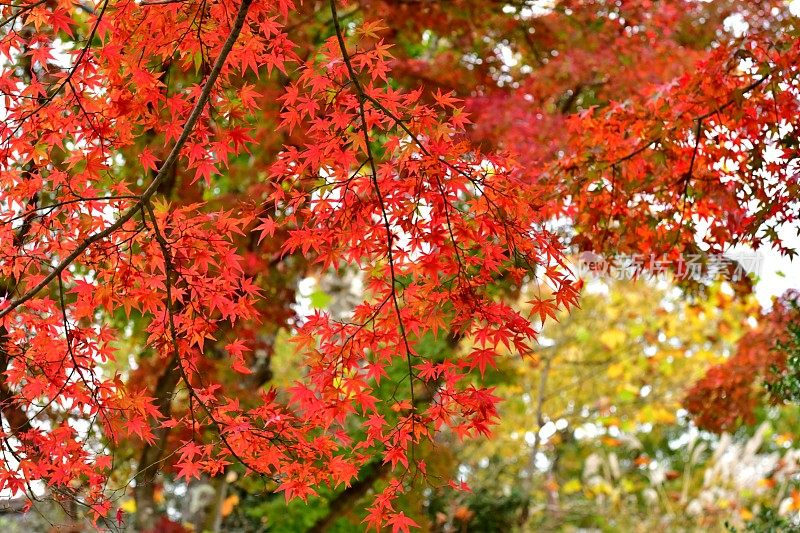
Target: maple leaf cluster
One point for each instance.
(88, 244)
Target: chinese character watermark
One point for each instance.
(698, 267)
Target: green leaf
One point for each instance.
(320, 299)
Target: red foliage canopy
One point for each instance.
(730, 392)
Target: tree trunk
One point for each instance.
(148, 465)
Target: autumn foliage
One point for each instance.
(730, 392)
(169, 170)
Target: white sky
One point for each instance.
(776, 273)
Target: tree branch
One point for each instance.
(194, 116)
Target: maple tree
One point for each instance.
(730, 392)
(171, 170)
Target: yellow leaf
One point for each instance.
(229, 504)
(572, 486)
(616, 370)
(662, 416)
(612, 338)
(129, 506)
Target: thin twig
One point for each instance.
(194, 116)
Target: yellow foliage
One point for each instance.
(655, 415)
(613, 338)
(229, 504)
(128, 505)
(616, 370)
(572, 486)
(621, 361)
